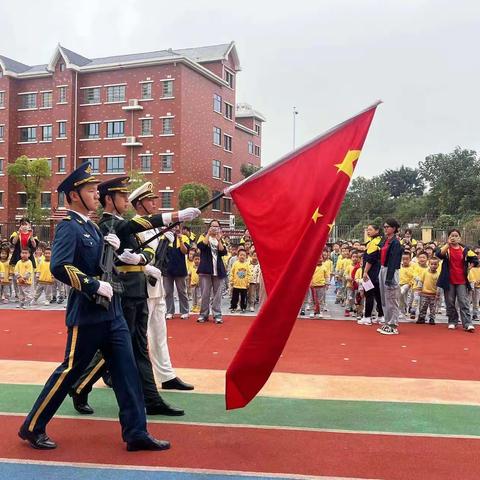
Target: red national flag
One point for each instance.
(289, 208)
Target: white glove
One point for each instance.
(105, 290)
(113, 240)
(130, 258)
(153, 272)
(167, 218)
(188, 214)
(169, 235)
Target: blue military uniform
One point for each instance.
(76, 253)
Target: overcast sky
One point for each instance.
(330, 59)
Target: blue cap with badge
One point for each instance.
(79, 177)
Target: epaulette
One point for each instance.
(81, 222)
(67, 218)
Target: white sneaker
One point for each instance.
(320, 315)
(252, 309)
(451, 326)
(184, 316)
(312, 315)
(168, 316)
(381, 320)
(470, 328)
(365, 321)
(46, 303)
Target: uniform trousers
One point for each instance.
(112, 338)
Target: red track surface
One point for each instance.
(314, 347)
(257, 450)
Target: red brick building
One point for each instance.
(170, 114)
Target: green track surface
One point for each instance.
(391, 417)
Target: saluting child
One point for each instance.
(239, 281)
(195, 284)
(45, 279)
(24, 277)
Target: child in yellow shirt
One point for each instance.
(320, 279)
(353, 277)
(474, 279)
(407, 281)
(6, 277)
(45, 279)
(195, 284)
(240, 281)
(24, 276)
(428, 295)
(254, 287)
(421, 266)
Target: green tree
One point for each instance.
(247, 169)
(31, 175)
(403, 181)
(193, 195)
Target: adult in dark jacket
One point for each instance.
(371, 269)
(454, 279)
(211, 272)
(24, 238)
(389, 277)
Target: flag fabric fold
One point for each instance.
(289, 208)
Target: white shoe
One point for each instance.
(46, 303)
(168, 316)
(184, 316)
(381, 320)
(365, 321)
(252, 309)
(312, 315)
(451, 326)
(320, 315)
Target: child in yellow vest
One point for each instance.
(6, 278)
(254, 287)
(474, 279)
(421, 266)
(240, 281)
(195, 284)
(45, 279)
(24, 276)
(353, 275)
(407, 281)
(320, 279)
(428, 295)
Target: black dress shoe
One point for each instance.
(164, 408)
(177, 384)
(40, 441)
(80, 403)
(147, 443)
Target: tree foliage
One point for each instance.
(31, 174)
(403, 181)
(193, 195)
(247, 169)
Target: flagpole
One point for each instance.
(295, 113)
(307, 145)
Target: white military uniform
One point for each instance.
(157, 325)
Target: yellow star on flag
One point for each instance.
(316, 215)
(330, 227)
(347, 164)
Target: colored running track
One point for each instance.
(343, 402)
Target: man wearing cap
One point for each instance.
(76, 253)
(131, 268)
(143, 201)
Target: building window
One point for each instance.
(62, 94)
(28, 134)
(95, 162)
(166, 163)
(22, 200)
(217, 136)
(228, 111)
(47, 133)
(49, 160)
(167, 89)
(2, 132)
(166, 199)
(62, 67)
(91, 130)
(257, 150)
(217, 103)
(167, 126)
(147, 125)
(116, 93)
(62, 129)
(47, 99)
(227, 174)
(250, 147)
(46, 200)
(258, 129)
(28, 101)
(146, 91)
(227, 143)
(115, 129)
(145, 163)
(1, 165)
(1, 199)
(115, 164)
(62, 164)
(229, 78)
(91, 95)
(216, 165)
(2, 99)
(227, 205)
(216, 203)
(61, 200)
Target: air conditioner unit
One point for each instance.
(133, 102)
(130, 140)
